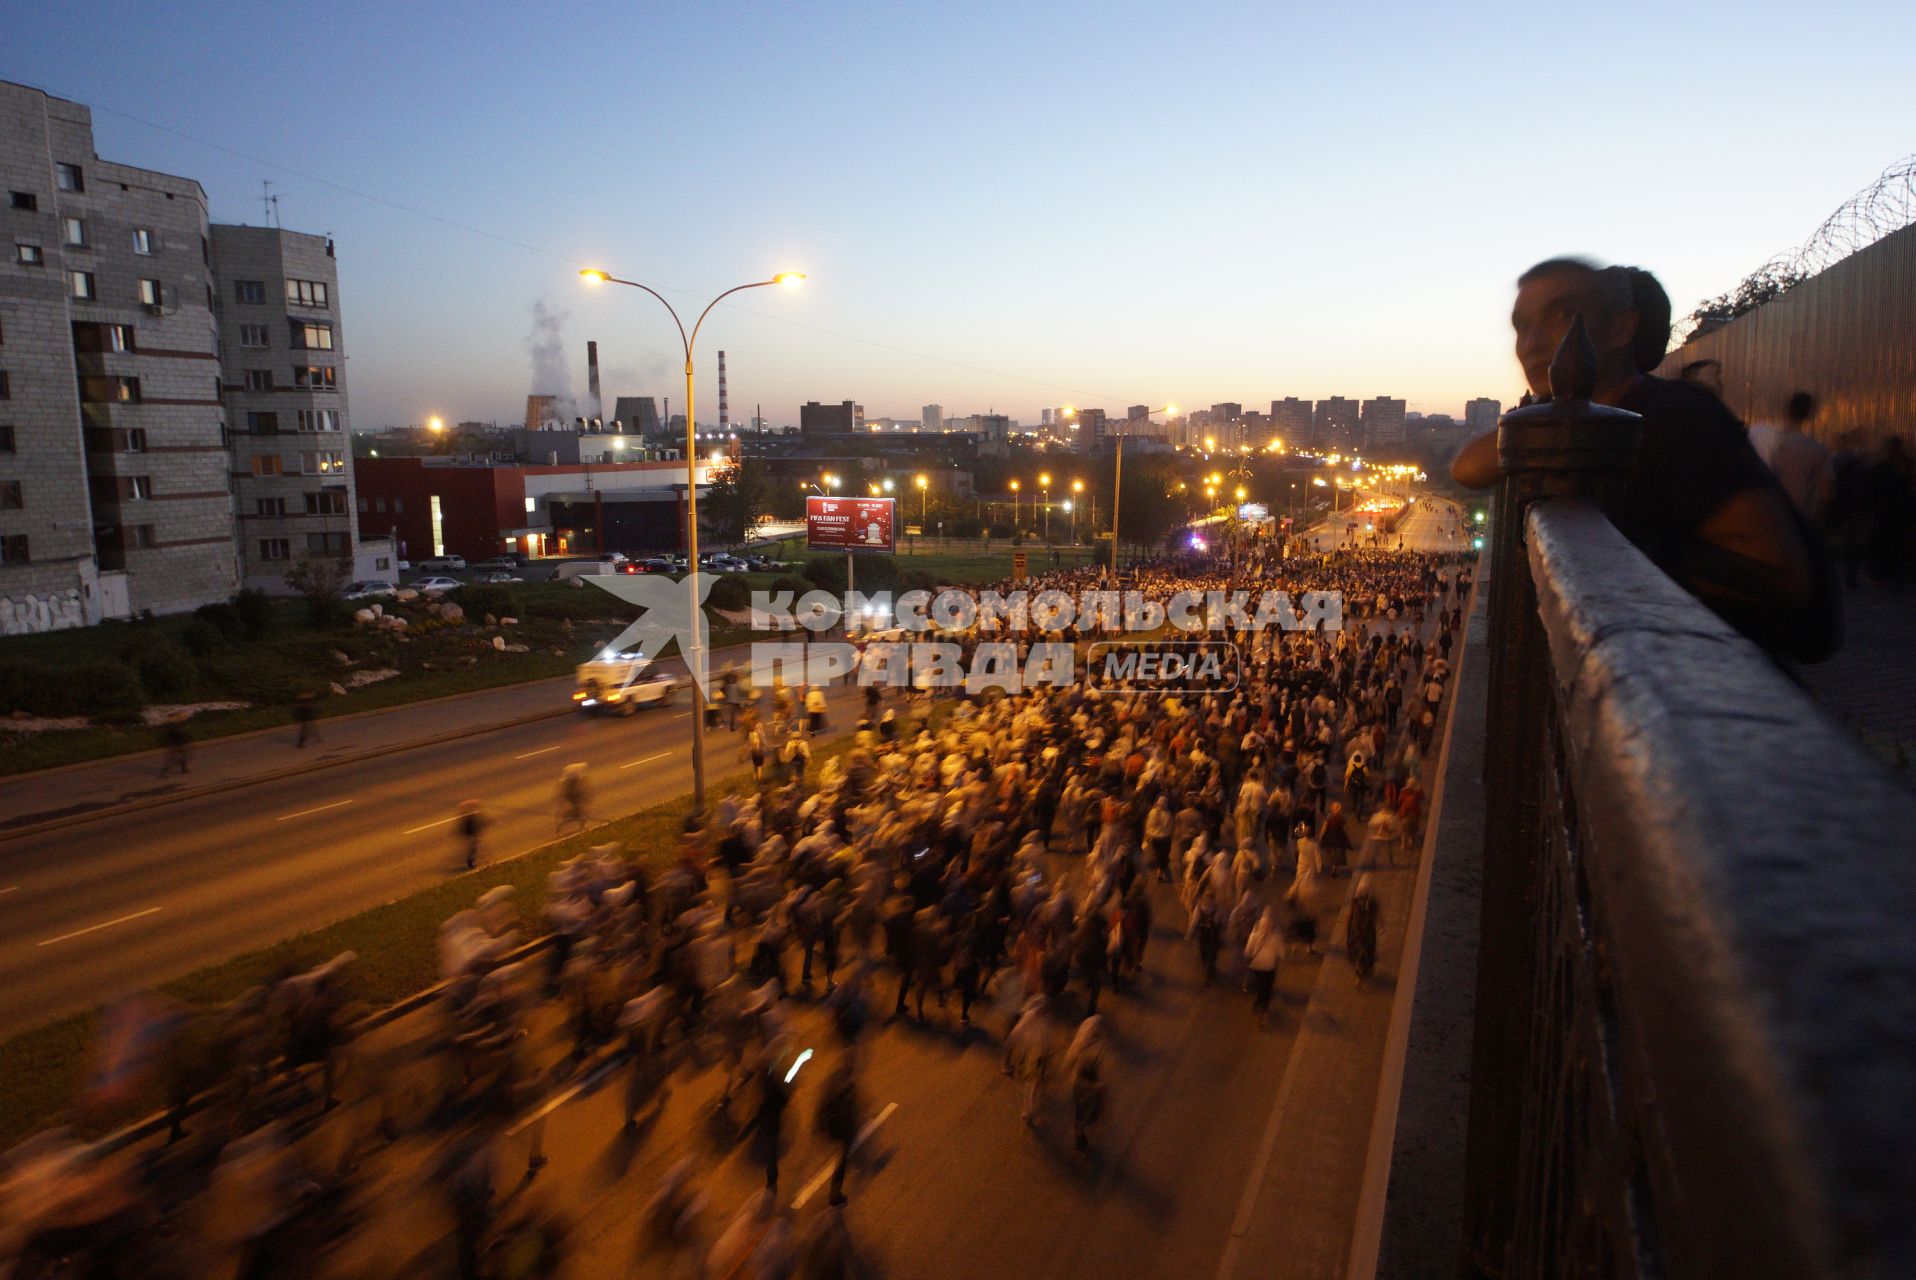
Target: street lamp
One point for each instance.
(1014, 506)
(1044, 487)
(694, 661)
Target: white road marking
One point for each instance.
(303, 812)
(824, 1175)
(541, 751)
(683, 715)
(95, 928)
(411, 831)
(648, 760)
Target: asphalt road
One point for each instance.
(101, 908)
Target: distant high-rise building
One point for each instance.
(1091, 427)
(1335, 422)
(1291, 421)
(829, 419)
(1044, 417)
(932, 417)
(1482, 413)
(1383, 423)
(1137, 412)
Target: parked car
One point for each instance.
(505, 563)
(499, 577)
(442, 564)
(728, 564)
(368, 588)
(435, 583)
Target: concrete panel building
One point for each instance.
(114, 496)
(283, 377)
(1482, 413)
(1335, 422)
(1383, 423)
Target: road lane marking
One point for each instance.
(541, 751)
(648, 760)
(413, 831)
(303, 812)
(683, 715)
(95, 928)
(824, 1175)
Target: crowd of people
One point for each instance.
(1029, 853)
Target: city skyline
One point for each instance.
(978, 249)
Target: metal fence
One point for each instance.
(1695, 1042)
(1846, 335)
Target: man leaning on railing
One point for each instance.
(1700, 504)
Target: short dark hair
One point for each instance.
(1802, 407)
(1621, 287)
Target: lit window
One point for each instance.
(80, 284)
(75, 232)
(151, 293)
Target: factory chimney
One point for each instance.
(592, 379)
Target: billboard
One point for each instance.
(849, 524)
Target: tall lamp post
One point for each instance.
(1014, 508)
(1044, 487)
(694, 661)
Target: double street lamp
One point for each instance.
(694, 661)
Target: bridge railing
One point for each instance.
(1695, 1033)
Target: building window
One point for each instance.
(306, 293)
(328, 544)
(275, 549)
(254, 336)
(327, 502)
(118, 337)
(25, 201)
(364, 507)
(136, 488)
(151, 294)
(68, 177)
(312, 337)
(319, 420)
(142, 242)
(259, 379)
(399, 506)
(253, 291)
(326, 462)
(315, 377)
(80, 285)
(265, 464)
(142, 535)
(13, 549)
(379, 505)
(6, 438)
(6, 385)
(75, 232)
(11, 496)
(262, 424)
(28, 255)
(133, 440)
(96, 389)
(269, 508)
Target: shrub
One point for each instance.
(827, 573)
(106, 690)
(17, 681)
(488, 598)
(201, 636)
(254, 609)
(165, 668)
(254, 677)
(797, 586)
(222, 617)
(731, 593)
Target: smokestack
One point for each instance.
(592, 378)
(725, 412)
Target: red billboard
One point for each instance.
(849, 524)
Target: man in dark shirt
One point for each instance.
(1701, 505)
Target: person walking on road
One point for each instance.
(471, 823)
(1028, 1054)
(1360, 930)
(1084, 1068)
(1265, 945)
(174, 739)
(837, 1118)
(306, 716)
(815, 711)
(572, 797)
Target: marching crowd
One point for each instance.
(1020, 852)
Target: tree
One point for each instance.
(738, 500)
(322, 581)
(1766, 284)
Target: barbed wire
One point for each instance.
(1885, 206)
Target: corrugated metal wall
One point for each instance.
(1847, 336)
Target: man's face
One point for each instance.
(1542, 314)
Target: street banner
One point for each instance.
(849, 524)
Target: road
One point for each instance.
(110, 905)
(1431, 524)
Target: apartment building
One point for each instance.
(283, 378)
(113, 489)
(172, 394)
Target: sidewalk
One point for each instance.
(90, 789)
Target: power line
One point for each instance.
(560, 257)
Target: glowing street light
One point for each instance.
(695, 660)
(923, 482)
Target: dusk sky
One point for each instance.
(999, 205)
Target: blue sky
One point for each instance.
(1000, 205)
